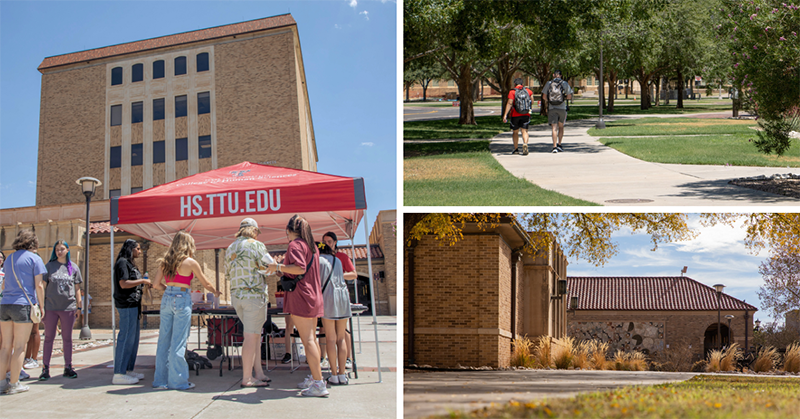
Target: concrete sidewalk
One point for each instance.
(92, 395)
(594, 172)
(431, 393)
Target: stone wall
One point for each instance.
(646, 337)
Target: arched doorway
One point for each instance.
(710, 340)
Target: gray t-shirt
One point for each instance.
(567, 92)
(60, 286)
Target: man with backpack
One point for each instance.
(556, 93)
(519, 104)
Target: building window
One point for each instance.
(158, 69)
(180, 106)
(205, 146)
(202, 62)
(137, 112)
(137, 154)
(180, 66)
(116, 157)
(116, 76)
(138, 73)
(134, 190)
(116, 115)
(158, 152)
(181, 149)
(114, 192)
(203, 103)
(158, 109)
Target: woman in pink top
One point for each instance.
(304, 303)
(177, 268)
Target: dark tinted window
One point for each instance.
(158, 69)
(134, 190)
(116, 76)
(202, 62)
(136, 154)
(158, 109)
(180, 66)
(180, 106)
(136, 112)
(181, 149)
(203, 103)
(116, 115)
(205, 146)
(158, 151)
(116, 157)
(114, 192)
(138, 73)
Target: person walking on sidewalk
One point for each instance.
(556, 93)
(519, 104)
(62, 299)
(174, 276)
(128, 283)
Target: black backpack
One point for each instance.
(556, 93)
(522, 101)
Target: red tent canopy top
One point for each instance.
(211, 205)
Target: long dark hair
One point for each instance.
(54, 257)
(127, 250)
(299, 225)
(4, 258)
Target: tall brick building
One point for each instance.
(464, 304)
(651, 314)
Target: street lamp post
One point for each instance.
(758, 325)
(88, 186)
(729, 317)
(719, 288)
(600, 123)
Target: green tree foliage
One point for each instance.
(764, 47)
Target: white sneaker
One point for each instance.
(348, 364)
(191, 386)
(31, 363)
(135, 375)
(16, 388)
(122, 379)
(333, 380)
(343, 381)
(306, 383)
(325, 364)
(317, 389)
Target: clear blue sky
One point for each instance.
(716, 256)
(349, 50)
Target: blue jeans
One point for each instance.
(127, 340)
(172, 371)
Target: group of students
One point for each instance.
(313, 276)
(51, 293)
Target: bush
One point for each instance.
(582, 356)
(766, 359)
(675, 359)
(714, 360)
(521, 353)
(774, 136)
(791, 360)
(542, 352)
(598, 357)
(563, 352)
(633, 361)
(730, 357)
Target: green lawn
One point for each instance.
(474, 179)
(693, 141)
(703, 397)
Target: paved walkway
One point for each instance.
(431, 393)
(594, 172)
(92, 395)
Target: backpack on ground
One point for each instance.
(522, 101)
(556, 93)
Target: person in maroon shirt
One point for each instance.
(519, 121)
(304, 303)
(349, 274)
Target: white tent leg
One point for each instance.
(113, 318)
(372, 296)
(355, 288)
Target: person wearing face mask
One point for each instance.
(62, 299)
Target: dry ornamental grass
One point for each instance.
(791, 360)
(766, 359)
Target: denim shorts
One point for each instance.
(16, 313)
(252, 312)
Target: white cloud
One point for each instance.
(370, 144)
(336, 26)
(353, 3)
(365, 13)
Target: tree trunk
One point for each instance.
(644, 79)
(659, 88)
(408, 89)
(467, 112)
(425, 89)
(612, 89)
(680, 88)
(476, 90)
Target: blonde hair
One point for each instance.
(182, 247)
(249, 231)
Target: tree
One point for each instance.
(781, 273)
(422, 71)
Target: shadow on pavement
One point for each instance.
(720, 189)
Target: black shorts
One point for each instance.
(16, 313)
(518, 122)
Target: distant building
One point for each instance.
(651, 314)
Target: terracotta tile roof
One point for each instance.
(648, 293)
(361, 252)
(101, 228)
(169, 40)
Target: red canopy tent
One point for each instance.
(211, 205)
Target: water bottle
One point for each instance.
(148, 297)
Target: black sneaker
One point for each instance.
(287, 358)
(555, 150)
(69, 372)
(45, 375)
(558, 147)
(516, 151)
